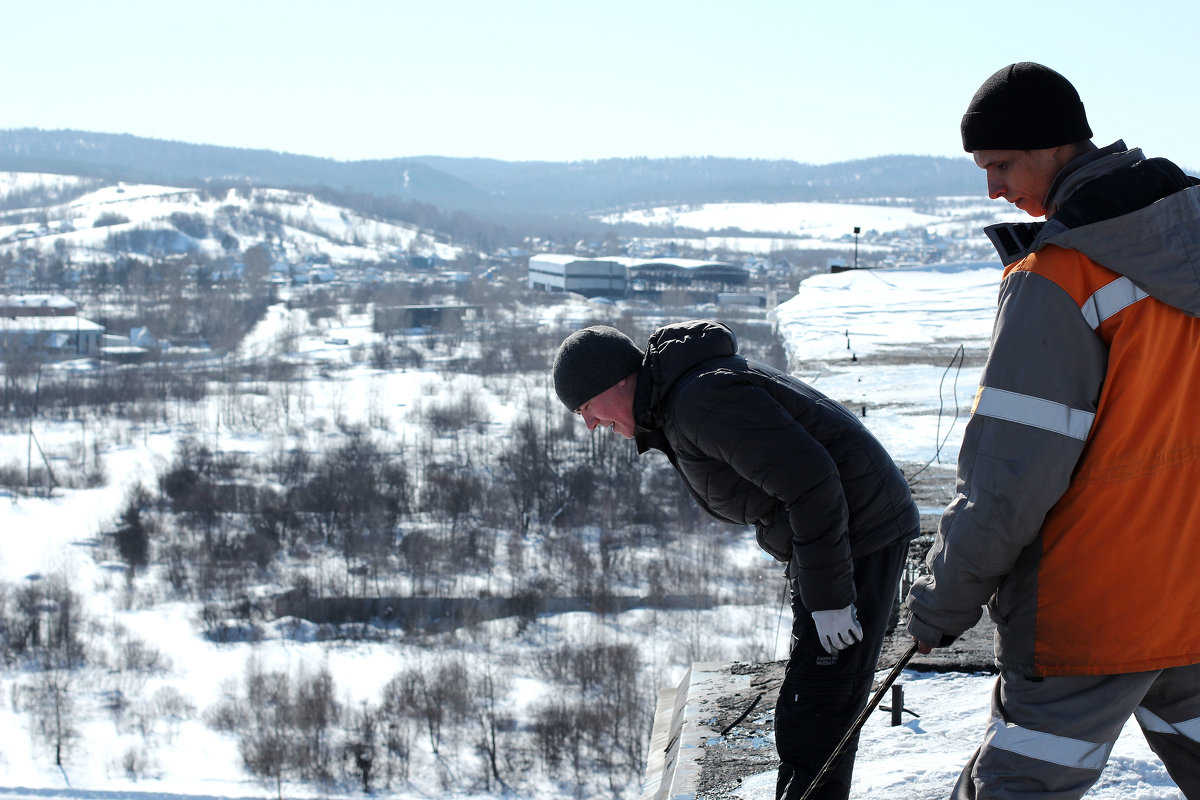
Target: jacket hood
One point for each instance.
(671, 352)
(1135, 216)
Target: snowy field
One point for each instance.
(886, 341)
(884, 317)
(947, 216)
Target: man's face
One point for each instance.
(612, 409)
(1022, 177)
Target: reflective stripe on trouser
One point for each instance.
(1050, 738)
(1175, 696)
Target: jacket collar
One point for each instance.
(1014, 240)
(672, 352)
(1085, 168)
(646, 434)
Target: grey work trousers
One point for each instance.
(1051, 737)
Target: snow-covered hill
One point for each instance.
(103, 222)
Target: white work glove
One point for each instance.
(838, 629)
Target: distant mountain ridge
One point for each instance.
(622, 182)
(490, 187)
(137, 159)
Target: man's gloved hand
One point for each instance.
(838, 629)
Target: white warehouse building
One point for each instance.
(618, 276)
(591, 277)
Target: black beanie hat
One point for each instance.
(1024, 106)
(592, 360)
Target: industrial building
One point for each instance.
(653, 276)
(619, 276)
(591, 277)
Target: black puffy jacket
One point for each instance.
(758, 447)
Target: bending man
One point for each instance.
(757, 447)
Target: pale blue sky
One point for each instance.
(562, 81)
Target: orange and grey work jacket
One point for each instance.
(1078, 514)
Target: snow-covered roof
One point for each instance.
(36, 301)
(690, 264)
(631, 263)
(48, 324)
(567, 258)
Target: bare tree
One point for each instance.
(314, 715)
(267, 742)
(489, 690)
(397, 729)
(362, 744)
(58, 653)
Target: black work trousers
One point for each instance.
(822, 693)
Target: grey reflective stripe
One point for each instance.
(1152, 722)
(1035, 411)
(1048, 747)
(1109, 299)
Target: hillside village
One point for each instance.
(95, 244)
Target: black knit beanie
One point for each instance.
(592, 360)
(1024, 106)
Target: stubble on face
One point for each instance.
(1022, 177)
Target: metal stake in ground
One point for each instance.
(858, 723)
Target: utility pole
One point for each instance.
(856, 230)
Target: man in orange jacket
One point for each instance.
(1077, 519)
